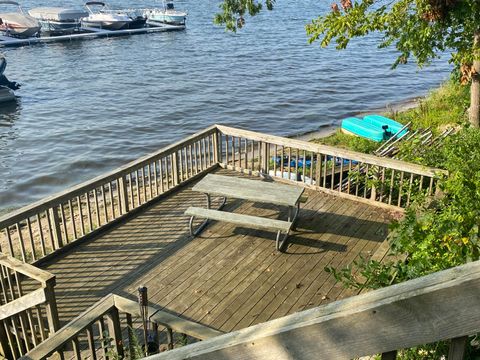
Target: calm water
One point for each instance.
(88, 107)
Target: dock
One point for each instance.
(83, 253)
(86, 34)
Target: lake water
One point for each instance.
(87, 107)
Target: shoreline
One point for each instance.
(329, 129)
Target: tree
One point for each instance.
(419, 29)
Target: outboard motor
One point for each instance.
(3, 79)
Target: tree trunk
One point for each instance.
(475, 87)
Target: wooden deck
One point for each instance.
(228, 277)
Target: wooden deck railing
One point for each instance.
(108, 329)
(28, 309)
(376, 180)
(35, 231)
(441, 306)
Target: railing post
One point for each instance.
(115, 331)
(51, 303)
(216, 146)
(264, 158)
(123, 194)
(457, 348)
(57, 232)
(175, 169)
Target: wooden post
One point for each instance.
(457, 348)
(264, 159)
(5, 349)
(56, 230)
(475, 87)
(175, 169)
(51, 303)
(216, 146)
(115, 331)
(123, 194)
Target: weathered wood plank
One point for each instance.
(268, 192)
(419, 311)
(239, 219)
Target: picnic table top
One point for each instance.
(253, 190)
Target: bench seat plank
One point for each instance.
(250, 221)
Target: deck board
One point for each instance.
(229, 277)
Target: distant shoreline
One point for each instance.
(327, 130)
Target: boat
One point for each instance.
(57, 20)
(18, 24)
(167, 15)
(373, 127)
(104, 18)
(6, 95)
(393, 126)
(137, 17)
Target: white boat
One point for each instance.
(18, 24)
(104, 18)
(167, 15)
(56, 20)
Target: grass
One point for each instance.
(444, 107)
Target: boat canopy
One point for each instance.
(99, 3)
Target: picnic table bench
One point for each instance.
(251, 190)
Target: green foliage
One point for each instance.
(418, 28)
(446, 105)
(437, 233)
(339, 139)
(234, 12)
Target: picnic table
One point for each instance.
(250, 190)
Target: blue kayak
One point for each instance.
(364, 129)
(373, 127)
(380, 121)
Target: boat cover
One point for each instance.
(58, 14)
(21, 19)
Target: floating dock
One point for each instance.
(86, 33)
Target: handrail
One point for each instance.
(72, 329)
(79, 189)
(112, 306)
(26, 302)
(387, 183)
(333, 151)
(439, 306)
(35, 231)
(174, 322)
(28, 314)
(30, 271)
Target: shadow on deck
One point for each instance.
(228, 277)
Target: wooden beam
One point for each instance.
(176, 323)
(28, 270)
(439, 306)
(23, 303)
